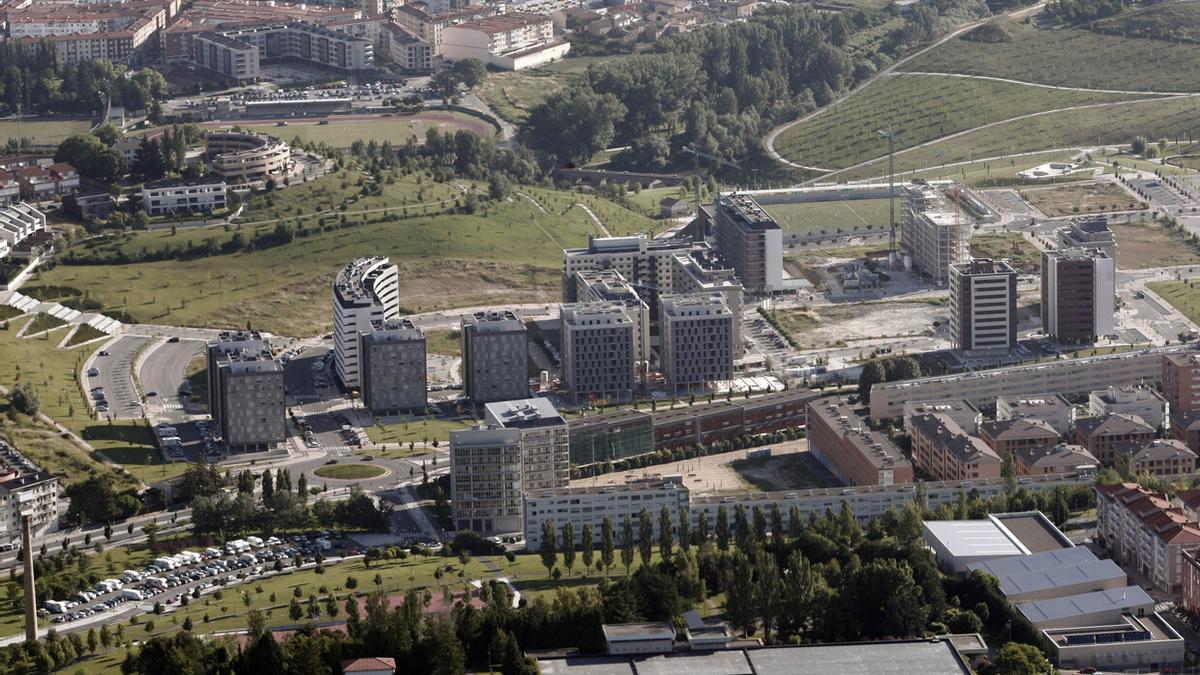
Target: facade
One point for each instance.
(236, 54)
(750, 239)
(392, 367)
(1143, 530)
(607, 437)
(696, 340)
(1181, 381)
(405, 49)
(983, 305)
(1111, 436)
(184, 195)
(842, 442)
(1142, 401)
(25, 490)
(1078, 294)
(1009, 436)
(946, 452)
(965, 415)
(19, 222)
(1089, 233)
(609, 286)
(236, 60)
(1052, 409)
(598, 350)
(243, 156)
(1190, 582)
(44, 181)
(1135, 642)
(931, 233)
(703, 270)
(1061, 458)
(591, 505)
(638, 638)
(246, 392)
(510, 41)
(545, 440)
(365, 290)
(1066, 376)
(430, 22)
(1163, 457)
(495, 357)
(1185, 427)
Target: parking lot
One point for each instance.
(1160, 195)
(1009, 202)
(109, 380)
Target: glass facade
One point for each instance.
(592, 443)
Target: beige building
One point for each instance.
(1009, 436)
(696, 340)
(407, 50)
(510, 41)
(243, 157)
(965, 415)
(1052, 409)
(1061, 458)
(750, 239)
(1163, 457)
(946, 452)
(25, 490)
(1144, 531)
(1111, 436)
(1142, 401)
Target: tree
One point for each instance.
(685, 529)
(568, 543)
(872, 374)
(443, 649)
(24, 398)
(645, 536)
(587, 545)
(302, 488)
(766, 593)
(263, 656)
(739, 594)
(548, 550)
(1008, 471)
(469, 72)
(92, 640)
(626, 543)
(513, 662)
(722, 528)
(573, 124)
(1016, 658)
(268, 486)
(796, 596)
(295, 611)
(665, 533)
(607, 544)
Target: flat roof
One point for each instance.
(523, 413)
(1034, 531)
(1059, 577)
(719, 662)
(971, 538)
(1152, 626)
(1085, 604)
(936, 657)
(1036, 561)
(638, 631)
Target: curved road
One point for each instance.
(163, 371)
(1059, 87)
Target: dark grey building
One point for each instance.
(392, 367)
(696, 340)
(246, 392)
(495, 357)
(598, 350)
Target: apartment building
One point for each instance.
(592, 505)
(965, 415)
(750, 239)
(1008, 436)
(1061, 458)
(509, 41)
(246, 392)
(1190, 583)
(495, 357)
(1138, 400)
(365, 290)
(19, 222)
(696, 340)
(392, 367)
(176, 41)
(701, 269)
(1163, 457)
(429, 24)
(184, 195)
(237, 53)
(41, 182)
(932, 233)
(545, 440)
(1066, 376)
(598, 348)
(608, 286)
(244, 156)
(1110, 436)
(1181, 381)
(1186, 427)
(1078, 294)
(1052, 409)
(405, 49)
(1143, 530)
(983, 305)
(25, 489)
(844, 443)
(236, 60)
(941, 448)
(119, 32)
(1089, 233)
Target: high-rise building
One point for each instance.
(246, 392)
(1181, 382)
(697, 340)
(366, 290)
(520, 446)
(983, 305)
(598, 350)
(610, 286)
(392, 357)
(750, 239)
(931, 230)
(495, 357)
(1089, 233)
(1078, 294)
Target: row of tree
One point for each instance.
(33, 82)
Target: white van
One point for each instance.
(130, 576)
(255, 542)
(131, 594)
(55, 606)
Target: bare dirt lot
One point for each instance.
(1075, 198)
(1144, 243)
(792, 471)
(825, 325)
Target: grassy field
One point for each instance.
(650, 201)
(833, 216)
(1182, 295)
(416, 430)
(444, 341)
(398, 129)
(54, 373)
(349, 471)
(503, 253)
(1173, 22)
(513, 94)
(1070, 57)
(45, 132)
(1145, 243)
(917, 108)
(84, 334)
(1173, 118)
(1020, 253)
(1073, 198)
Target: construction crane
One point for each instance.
(891, 137)
(716, 161)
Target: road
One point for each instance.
(116, 377)
(163, 371)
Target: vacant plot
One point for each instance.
(1020, 253)
(85, 333)
(341, 133)
(835, 325)
(1182, 295)
(918, 108)
(349, 471)
(796, 471)
(444, 341)
(1145, 243)
(43, 132)
(857, 214)
(513, 94)
(1070, 57)
(1072, 198)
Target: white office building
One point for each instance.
(366, 290)
(184, 195)
(983, 305)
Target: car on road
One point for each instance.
(332, 461)
(101, 353)
(151, 394)
(93, 372)
(173, 338)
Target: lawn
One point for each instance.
(513, 94)
(1010, 246)
(85, 333)
(416, 430)
(1074, 198)
(349, 471)
(444, 341)
(398, 129)
(1172, 118)
(1174, 22)
(918, 108)
(1145, 243)
(45, 132)
(1071, 57)
(503, 253)
(43, 322)
(1182, 295)
(650, 201)
(833, 216)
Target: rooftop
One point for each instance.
(1034, 530)
(522, 413)
(393, 330)
(746, 212)
(1034, 403)
(1085, 604)
(1059, 577)
(872, 445)
(975, 538)
(1129, 629)
(1018, 565)
(983, 266)
(1113, 424)
(504, 22)
(354, 280)
(183, 182)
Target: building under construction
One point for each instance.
(933, 234)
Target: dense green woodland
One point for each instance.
(32, 82)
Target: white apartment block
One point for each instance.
(405, 49)
(18, 222)
(696, 340)
(1052, 409)
(25, 490)
(186, 195)
(983, 305)
(513, 40)
(598, 350)
(229, 52)
(364, 291)
(1142, 401)
(242, 156)
(545, 453)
